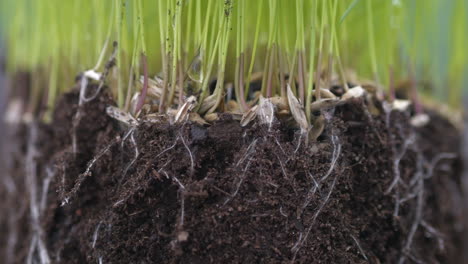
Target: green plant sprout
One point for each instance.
(189, 43)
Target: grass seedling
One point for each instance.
(300, 49)
(144, 91)
(176, 8)
(207, 60)
(164, 39)
(267, 85)
(311, 59)
(333, 8)
(320, 51)
(240, 57)
(348, 10)
(188, 38)
(108, 38)
(254, 45)
(222, 53)
(119, 23)
(133, 68)
(371, 38)
(283, 48)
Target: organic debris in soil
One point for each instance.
(372, 189)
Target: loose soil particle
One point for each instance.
(161, 193)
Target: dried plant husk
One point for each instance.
(185, 109)
(121, 116)
(297, 111)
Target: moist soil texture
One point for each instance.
(371, 189)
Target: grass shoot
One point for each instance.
(189, 44)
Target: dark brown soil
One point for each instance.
(160, 193)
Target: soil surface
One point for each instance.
(372, 189)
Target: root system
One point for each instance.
(370, 189)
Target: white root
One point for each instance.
(118, 202)
(85, 174)
(239, 183)
(248, 152)
(77, 117)
(387, 107)
(45, 188)
(313, 189)
(161, 169)
(407, 198)
(316, 186)
(95, 234)
(417, 176)
(83, 89)
(419, 206)
(413, 229)
(164, 165)
(102, 77)
(371, 121)
(182, 190)
(398, 155)
(282, 213)
(192, 163)
(174, 178)
(178, 182)
(282, 167)
(434, 232)
(297, 245)
(279, 145)
(126, 135)
(302, 239)
(169, 148)
(64, 176)
(37, 241)
(97, 157)
(396, 209)
(414, 258)
(32, 247)
(436, 160)
(182, 208)
(135, 146)
(359, 247)
(41, 247)
(298, 143)
(335, 155)
(415, 191)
